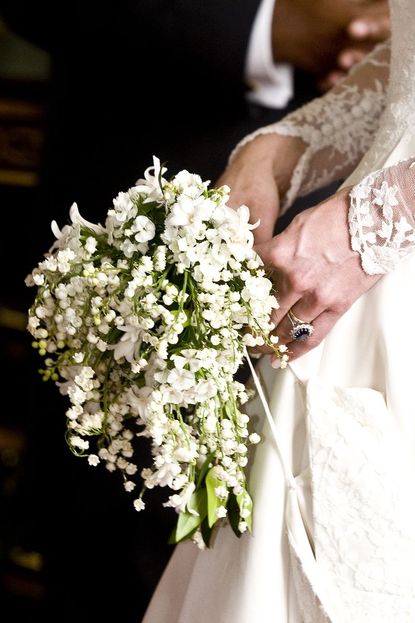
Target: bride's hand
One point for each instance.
(316, 273)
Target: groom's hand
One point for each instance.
(327, 37)
(365, 31)
(257, 176)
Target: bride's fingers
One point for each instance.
(322, 325)
(306, 309)
(285, 304)
(287, 297)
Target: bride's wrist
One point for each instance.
(276, 154)
(287, 151)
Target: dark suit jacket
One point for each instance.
(136, 78)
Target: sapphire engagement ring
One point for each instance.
(301, 330)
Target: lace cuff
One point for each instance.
(337, 128)
(382, 217)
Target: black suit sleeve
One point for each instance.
(214, 33)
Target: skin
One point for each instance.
(345, 31)
(316, 273)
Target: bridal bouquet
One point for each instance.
(143, 323)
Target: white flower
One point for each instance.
(181, 379)
(179, 502)
(249, 340)
(254, 438)
(77, 219)
(78, 442)
(221, 492)
(128, 248)
(128, 343)
(242, 526)
(91, 244)
(144, 339)
(197, 538)
(221, 511)
(167, 472)
(144, 229)
(211, 423)
(38, 279)
(139, 504)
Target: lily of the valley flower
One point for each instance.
(143, 324)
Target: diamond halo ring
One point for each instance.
(301, 330)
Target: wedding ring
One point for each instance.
(301, 329)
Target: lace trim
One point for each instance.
(381, 219)
(338, 127)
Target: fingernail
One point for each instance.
(346, 60)
(359, 29)
(276, 363)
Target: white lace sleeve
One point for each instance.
(337, 128)
(382, 217)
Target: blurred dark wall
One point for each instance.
(71, 546)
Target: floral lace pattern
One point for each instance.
(363, 507)
(362, 119)
(338, 128)
(381, 217)
(311, 609)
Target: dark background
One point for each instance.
(71, 545)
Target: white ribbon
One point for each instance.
(289, 477)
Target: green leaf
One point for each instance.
(188, 522)
(244, 501)
(188, 313)
(146, 208)
(172, 538)
(204, 470)
(206, 532)
(233, 514)
(213, 502)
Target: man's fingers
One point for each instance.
(349, 57)
(372, 28)
(331, 79)
(346, 59)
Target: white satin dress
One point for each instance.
(335, 543)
